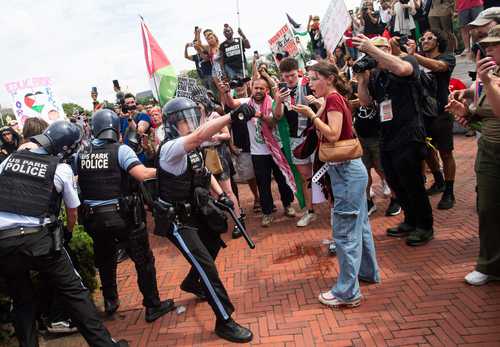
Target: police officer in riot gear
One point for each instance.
(184, 185)
(33, 182)
(112, 209)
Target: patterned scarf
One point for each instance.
(279, 158)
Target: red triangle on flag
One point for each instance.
(155, 58)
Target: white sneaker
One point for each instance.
(476, 278)
(306, 219)
(328, 299)
(385, 188)
(267, 219)
(290, 212)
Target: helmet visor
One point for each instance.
(186, 121)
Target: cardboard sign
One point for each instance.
(334, 23)
(35, 97)
(284, 41)
(185, 86)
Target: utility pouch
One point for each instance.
(57, 232)
(164, 215)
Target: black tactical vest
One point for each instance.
(27, 185)
(99, 174)
(176, 189)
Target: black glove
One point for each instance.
(243, 113)
(224, 200)
(67, 234)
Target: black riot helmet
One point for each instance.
(179, 110)
(106, 125)
(61, 138)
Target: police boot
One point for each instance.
(236, 231)
(194, 287)
(111, 305)
(153, 313)
(232, 331)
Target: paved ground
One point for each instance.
(422, 299)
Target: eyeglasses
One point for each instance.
(428, 38)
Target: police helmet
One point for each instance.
(61, 138)
(106, 125)
(178, 110)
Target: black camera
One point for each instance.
(363, 64)
(238, 82)
(477, 47)
(404, 2)
(403, 41)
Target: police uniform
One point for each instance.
(32, 185)
(179, 173)
(113, 210)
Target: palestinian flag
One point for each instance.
(161, 73)
(296, 27)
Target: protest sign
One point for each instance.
(334, 23)
(284, 41)
(185, 86)
(34, 97)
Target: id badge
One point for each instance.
(386, 111)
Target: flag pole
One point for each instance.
(242, 46)
(238, 12)
(154, 76)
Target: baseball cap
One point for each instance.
(493, 35)
(380, 41)
(486, 16)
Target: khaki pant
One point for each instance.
(488, 190)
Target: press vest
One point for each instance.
(99, 174)
(176, 189)
(27, 185)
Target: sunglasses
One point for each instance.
(428, 38)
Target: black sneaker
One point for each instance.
(419, 237)
(401, 230)
(111, 305)
(153, 313)
(372, 208)
(121, 343)
(447, 201)
(195, 289)
(332, 248)
(121, 255)
(435, 189)
(394, 208)
(236, 231)
(232, 331)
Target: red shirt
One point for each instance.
(336, 102)
(462, 5)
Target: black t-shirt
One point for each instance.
(231, 52)
(367, 122)
(370, 28)
(203, 67)
(406, 125)
(443, 80)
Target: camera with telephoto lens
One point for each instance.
(363, 64)
(238, 82)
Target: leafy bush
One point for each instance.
(82, 254)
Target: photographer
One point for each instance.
(233, 53)
(440, 129)
(137, 127)
(391, 88)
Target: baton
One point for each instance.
(237, 222)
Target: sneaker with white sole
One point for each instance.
(332, 248)
(267, 219)
(290, 212)
(62, 327)
(306, 219)
(385, 188)
(476, 278)
(327, 298)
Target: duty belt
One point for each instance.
(19, 231)
(104, 209)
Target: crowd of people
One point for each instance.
(381, 100)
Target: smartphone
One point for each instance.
(116, 84)
(94, 90)
(477, 47)
(282, 85)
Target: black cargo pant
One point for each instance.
(200, 247)
(19, 256)
(403, 171)
(105, 229)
